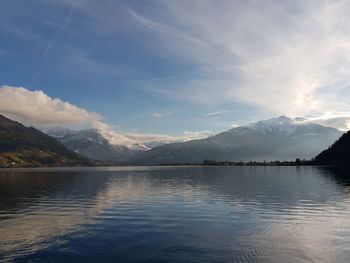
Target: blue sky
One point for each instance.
(165, 67)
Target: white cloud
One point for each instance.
(35, 108)
(158, 115)
(144, 141)
(286, 57)
(192, 135)
(161, 115)
(339, 120)
(216, 113)
(149, 137)
(151, 140)
(116, 138)
(236, 125)
(187, 135)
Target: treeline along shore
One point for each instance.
(297, 162)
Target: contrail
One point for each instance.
(63, 26)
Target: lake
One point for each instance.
(175, 214)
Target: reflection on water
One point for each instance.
(175, 214)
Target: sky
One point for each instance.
(177, 69)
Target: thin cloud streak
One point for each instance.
(62, 26)
(216, 113)
(290, 59)
(161, 115)
(279, 57)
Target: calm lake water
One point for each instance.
(175, 214)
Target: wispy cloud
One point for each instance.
(286, 57)
(216, 113)
(137, 140)
(161, 115)
(62, 26)
(157, 115)
(81, 60)
(192, 135)
(156, 139)
(280, 57)
(339, 120)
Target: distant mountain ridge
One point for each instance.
(92, 144)
(278, 138)
(275, 139)
(22, 146)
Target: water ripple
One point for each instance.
(174, 214)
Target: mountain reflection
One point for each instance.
(247, 213)
(339, 174)
(37, 208)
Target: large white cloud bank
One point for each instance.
(35, 108)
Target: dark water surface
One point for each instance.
(175, 214)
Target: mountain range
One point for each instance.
(22, 146)
(91, 143)
(279, 138)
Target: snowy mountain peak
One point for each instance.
(282, 124)
(288, 126)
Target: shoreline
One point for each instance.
(178, 165)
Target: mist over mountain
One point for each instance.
(91, 143)
(105, 145)
(279, 138)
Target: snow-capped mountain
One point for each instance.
(287, 126)
(93, 144)
(279, 138)
(281, 124)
